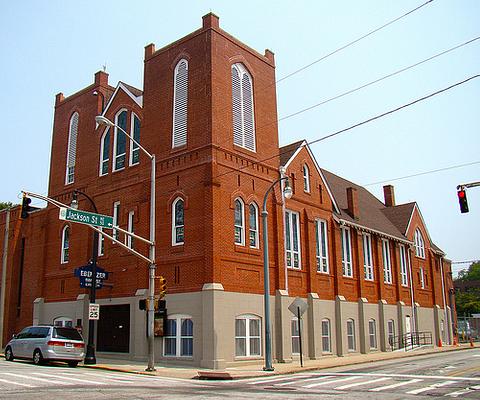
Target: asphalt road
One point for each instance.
(448, 375)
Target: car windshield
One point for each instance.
(66, 333)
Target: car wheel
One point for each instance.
(72, 364)
(37, 357)
(8, 354)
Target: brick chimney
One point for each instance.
(352, 202)
(389, 194)
(210, 21)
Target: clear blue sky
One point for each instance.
(56, 46)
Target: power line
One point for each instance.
(379, 79)
(353, 42)
(423, 173)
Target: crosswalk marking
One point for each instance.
(395, 385)
(350, 385)
(431, 387)
(289, 382)
(36, 379)
(296, 377)
(71, 379)
(458, 393)
(329, 382)
(16, 383)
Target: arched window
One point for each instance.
(295, 331)
(135, 133)
(105, 152)
(326, 336)
(253, 220)
(180, 104)
(178, 223)
(72, 148)
(391, 331)
(419, 244)
(239, 219)
(242, 108)
(372, 333)
(351, 341)
(120, 141)
(178, 338)
(306, 179)
(65, 255)
(247, 336)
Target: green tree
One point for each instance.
(468, 302)
(470, 274)
(4, 204)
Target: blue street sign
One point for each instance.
(85, 275)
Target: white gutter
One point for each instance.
(414, 311)
(446, 324)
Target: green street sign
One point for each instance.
(87, 218)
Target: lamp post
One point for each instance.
(287, 192)
(101, 120)
(90, 356)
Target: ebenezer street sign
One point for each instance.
(85, 274)
(84, 217)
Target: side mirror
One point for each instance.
(14, 336)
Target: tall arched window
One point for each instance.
(180, 104)
(105, 152)
(253, 222)
(306, 179)
(135, 133)
(326, 336)
(178, 223)
(65, 254)
(239, 222)
(242, 108)
(419, 244)
(351, 341)
(120, 141)
(372, 333)
(72, 148)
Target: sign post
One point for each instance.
(298, 308)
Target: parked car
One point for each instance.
(45, 343)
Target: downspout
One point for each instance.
(446, 324)
(414, 310)
(283, 171)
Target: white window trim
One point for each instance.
(319, 247)
(130, 227)
(242, 225)
(256, 230)
(102, 147)
(175, 73)
(346, 250)
(114, 150)
(306, 178)
(69, 149)
(116, 216)
(62, 254)
(327, 337)
(403, 265)
(248, 336)
(178, 338)
(132, 144)
(372, 336)
(174, 226)
(367, 257)
(353, 335)
(419, 244)
(289, 215)
(387, 262)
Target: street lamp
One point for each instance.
(101, 120)
(287, 192)
(90, 356)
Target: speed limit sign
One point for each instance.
(94, 311)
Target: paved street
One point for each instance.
(449, 375)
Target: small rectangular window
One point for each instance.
(116, 217)
(128, 238)
(322, 246)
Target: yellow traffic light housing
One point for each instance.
(162, 287)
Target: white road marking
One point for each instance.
(329, 382)
(36, 379)
(16, 383)
(276, 379)
(458, 393)
(360, 383)
(431, 387)
(395, 385)
(291, 379)
(71, 379)
(436, 377)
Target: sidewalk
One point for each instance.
(256, 370)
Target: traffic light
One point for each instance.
(26, 207)
(162, 287)
(462, 199)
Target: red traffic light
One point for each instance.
(462, 200)
(461, 194)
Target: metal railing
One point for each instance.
(409, 341)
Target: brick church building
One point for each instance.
(368, 270)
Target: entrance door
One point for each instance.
(113, 331)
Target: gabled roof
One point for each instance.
(400, 215)
(371, 215)
(135, 94)
(289, 152)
